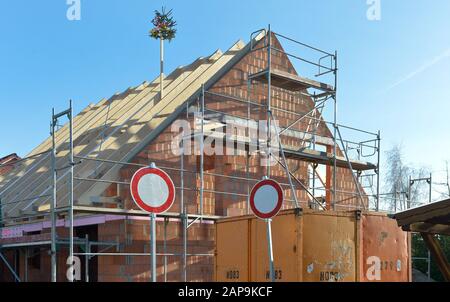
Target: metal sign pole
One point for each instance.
(153, 245)
(269, 242)
(153, 238)
(153, 201)
(266, 192)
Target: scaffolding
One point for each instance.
(411, 183)
(208, 120)
(404, 200)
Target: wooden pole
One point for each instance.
(161, 76)
(436, 250)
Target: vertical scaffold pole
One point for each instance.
(410, 183)
(185, 238)
(53, 203)
(87, 248)
(182, 178)
(166, 222)
(335, 133)
(431, 191)
(71, 159)
(378, 170)
(429, 253)
(183, 210)
(269, 96)
(202, 151)
(247, 162)
(183, 215)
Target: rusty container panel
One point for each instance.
(384, 245)
(329, 247)
(286, 236)
(232, 251)
(312, 247)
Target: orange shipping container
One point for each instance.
(313, 246)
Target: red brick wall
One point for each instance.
(133, 237)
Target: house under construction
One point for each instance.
(70, 196)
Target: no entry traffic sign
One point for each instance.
(266, 199)
(152, 190)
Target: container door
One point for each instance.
(285, 239)
(385, 246)
(329, 249)
(232, 241)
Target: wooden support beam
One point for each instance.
(437, 253)
(429, 228)
(42, 208)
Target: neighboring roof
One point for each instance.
(9, 158)
(432, 218)
(115, 129)
(7, 163)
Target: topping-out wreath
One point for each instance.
(164, 25)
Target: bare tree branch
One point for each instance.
(396, 183)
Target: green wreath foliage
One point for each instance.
(164, 25)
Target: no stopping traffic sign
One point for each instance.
(152, 190)
(266, 199)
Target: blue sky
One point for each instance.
(394, 73)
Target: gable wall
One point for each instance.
(234, 83)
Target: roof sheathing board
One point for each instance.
(43, 147)
(96, 118)
(61, 136)
(149, 100)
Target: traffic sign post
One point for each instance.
(266, 199)
(270, 248)
(153, 244)
(153, 191)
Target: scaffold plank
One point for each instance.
(290, 81)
